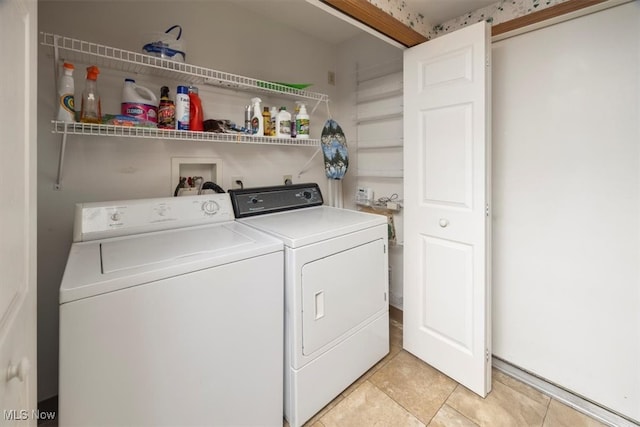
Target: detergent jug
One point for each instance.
(139, 102)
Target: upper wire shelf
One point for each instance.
(74, 50)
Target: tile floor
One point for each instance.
(401, 390)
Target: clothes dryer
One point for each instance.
(336, 290)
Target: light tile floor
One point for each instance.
(401, 390)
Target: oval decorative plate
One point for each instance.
(334, 149)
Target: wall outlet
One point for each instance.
(287, 179)
(237, 182)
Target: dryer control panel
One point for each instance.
(265, 200)
(124, 217)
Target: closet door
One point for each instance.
(446, 191)
(18, 38)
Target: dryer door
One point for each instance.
(342, 292)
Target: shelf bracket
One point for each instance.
(63, 146)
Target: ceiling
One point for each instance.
(312, 17)
(437, 12)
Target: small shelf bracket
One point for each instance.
(63, 146)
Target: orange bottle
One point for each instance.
(196, 117)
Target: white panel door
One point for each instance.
(447, 188)
(18, 43)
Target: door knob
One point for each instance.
(20, 371)
(443, 222)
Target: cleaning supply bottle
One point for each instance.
(182, 108)
(138, 102)
(90, 110)
(302, 122)
(166, 110)
(273, 111)
(293, 119)
(266, 120)
(283, 123)
(66, 104)
(196, 116)
(257, 125)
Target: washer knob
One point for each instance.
(115, 216)
(210, 207)
(307, 195)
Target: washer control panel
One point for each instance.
(124, 217)
(264, 200)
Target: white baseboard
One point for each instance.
(576, 402)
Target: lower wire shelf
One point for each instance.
(90, 129)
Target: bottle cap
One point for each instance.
(256, 100)
(92, 72)
(193, 89)
(68, 66)
(183, 89)
(129, 80)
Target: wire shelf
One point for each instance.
(171, 134)
(73, 50)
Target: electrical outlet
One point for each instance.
(237, 182)
(287, 179)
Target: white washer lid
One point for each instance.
(102, 266)
(302, 227)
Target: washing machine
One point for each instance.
(336, 290)
(171, 314)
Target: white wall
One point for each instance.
(365, 58)
(566, 174)
(218, 36)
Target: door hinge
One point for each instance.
(486, 354)
(384, 248)
(385, 296)
(487, 62)
(486, 209)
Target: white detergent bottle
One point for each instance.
(302, 122)
(274, 115)
(139, 102)
(257, 125)
(283, 123)
(66, 103)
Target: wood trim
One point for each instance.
(386, 24)
(379, 20)
(542, 15)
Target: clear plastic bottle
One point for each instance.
(283, 123)
(66, 104)
(302, 122)
(196, 116)
(90, 110)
